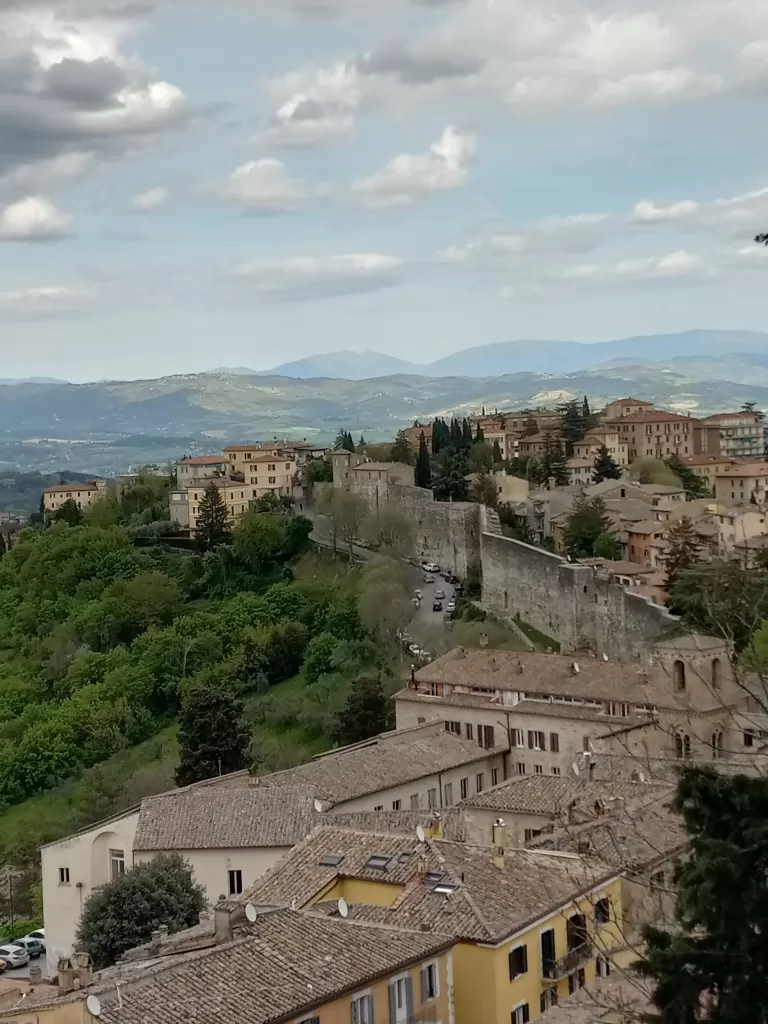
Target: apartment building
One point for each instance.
(625, 407)
(611, 438)
(201, 467)
(658, 435)
(742, 483)
(82, 494)
(233, 829)
(741, 433)
(265, 468)
(708, 466)
(414, 434)
(536, 444)
(552, 706)
(530, 926)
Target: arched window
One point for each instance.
(678, 674)
(717, 745)
(682, 745)
(716, 673)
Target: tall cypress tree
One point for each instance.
(683, 553)
(212, 517)
(553, 462)
(479, 435)
(438, 435)
(605, 468)
(349, 444)
(573, 427)
(466, 435)
(423, 472)
(456, 435)
(497, 456)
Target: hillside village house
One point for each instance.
(592, 442)
(742, 483)
(708, 467)
(741, 433)
(658, 435)
(232, 829)
(414, 434)
(530, 926)
(625, 407)
(552, 707)
(82, 494)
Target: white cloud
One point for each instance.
(410, 177)
(34, 219)
(313, 277)
(265, 186)
(676, 266)
(152, 199)
(648, 211)
(33, 303)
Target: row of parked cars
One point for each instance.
(18, 952)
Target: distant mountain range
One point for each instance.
(527, 356)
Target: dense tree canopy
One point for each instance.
(212, 734)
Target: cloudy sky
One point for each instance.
(187, 184)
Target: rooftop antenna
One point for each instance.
(93, 1004)
(421, 835)
(251, 913)
(343, 907)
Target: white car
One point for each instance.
(14, 956)
(38, 934)
(430, 567)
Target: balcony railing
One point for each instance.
(555, 970)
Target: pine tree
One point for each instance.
(341, 437)
(213, 735)
(450, 483)
(591, 420)
(683, 553)
(712, 967)
(479, 435)
(212, 518)
(349, 444)
(605, 467)
(401, 449)
(497, 456)
(68, 512)
(367, 712)
(553, 463)
(361, 443)
(423, 474)
(572, 427)
(531, 426)
(587, 521)
(695, 486)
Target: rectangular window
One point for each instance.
(576, 981)
(520, 768)
(464, 785)
(749, 738)
(548, 999)
(518, 962)
(116, 864)
(396, 805)
(430, 984)
(480, 781)
(520, 1015)
(454, 727)
(494, 776)
(235, 882)
(531, 833)
(603, 967)
(602, 912)
(379, 807)
(537, 741)
(448, 794)
(486, 736)
(554, 742)
(555, 771)
(538, 770)
(516, 738)
(469, 728)
(432, 798)
(63, 876)
(273, 480)
(362, 1010)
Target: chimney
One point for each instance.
(222, 925)
(65, 975)
(82, 963)
(163, 932)
(551, 483)
(434, 827)
(154, 942)
(499, 842)
(35, 974)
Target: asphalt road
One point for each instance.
(426, 622)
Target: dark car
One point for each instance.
(437, 606)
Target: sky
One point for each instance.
(187, 184)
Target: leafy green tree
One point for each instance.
(530, 426)
(722, 599)
(213, 736)
(401, 449)
(572, 427)
(259, 538)
(367, 712)
(605, 467)
(712, 967)
(553, 463)
(318, 659)
(212, 519)
(587, 521)
(450, 482)
(423, 474)
(484, 489)
(590, 419)
(125, 912)
(103, 513)
(481, 457)
(683, 553)
(68, 513)
(319, 471)
(695, 485)
(607, 546)
(653, 471)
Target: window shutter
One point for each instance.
(393, 1003)
(409, 998)
(355, 1011)
(530, 740)
(526, 1016)
(424, 988)
(371, 1004)
(524, 959)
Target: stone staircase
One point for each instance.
(492, 522)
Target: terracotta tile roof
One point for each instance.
(542, 708)
(204, 460)
(287, 964)
(632, 840)
(486, 903)
(651, 416)
(647, 527)
(550, 674)
(75, 485)
(706, 460)
(392, 759)
(743, 469)
(553, 795)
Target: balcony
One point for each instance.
(556, 970)
(426, 1015)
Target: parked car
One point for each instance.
(437, 606)
(38, 934)
(439, 595)
(32, 946)
(431, 567)
(14, 956)
(428, 579)
(451, 606)
(418, 593)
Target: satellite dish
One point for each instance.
(343, 907)
(318, 806)
(93, 1004)
(421, 835)
(250, 912)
